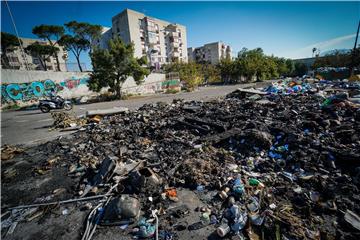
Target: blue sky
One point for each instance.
(285, 29)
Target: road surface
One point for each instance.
(32, 126)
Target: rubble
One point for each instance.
(102, 112)
(8, 152)
(278, 165)
(66, 120)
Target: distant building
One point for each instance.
(211, 53)
(106, 35)
(19, 61)
(160, 41)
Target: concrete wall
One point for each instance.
(27, 87)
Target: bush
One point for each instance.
(172, 91)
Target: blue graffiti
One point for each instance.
(30, 91)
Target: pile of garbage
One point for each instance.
(264, 166)
(8, 152)
(66, 120)
(289, 86)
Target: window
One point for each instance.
(13, 59)
(152, 37)
(140, 22)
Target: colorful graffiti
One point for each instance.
(170, 84)
(24, 92)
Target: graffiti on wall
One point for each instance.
(25, 92)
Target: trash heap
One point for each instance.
(289, 86)
(264, 166)
(66, 120)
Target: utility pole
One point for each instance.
(353, 52)
(18, 37)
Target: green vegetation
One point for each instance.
(172, 91)
(9, 43)
(250, 65)
(47, 32)
(42, 52)
(338, 59)
(189, 73)
(81, 38)
(112, 67)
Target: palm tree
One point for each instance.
(313, 51)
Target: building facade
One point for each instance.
(209, 53)
(160, 41)
(20, 61)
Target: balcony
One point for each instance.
(175, 54)
(175, 44)
(174, 34)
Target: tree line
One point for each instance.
(248, 66)
(339, 59)
(76, 37)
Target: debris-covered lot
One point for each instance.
(253, 165)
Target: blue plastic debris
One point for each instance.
(275, 155)
(146, 229)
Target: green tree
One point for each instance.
(75, 45)
(112, 67)
(81, 38)
(228, 70)
(335, 59)
(189, 73)
(211, 73)
(9, 43)
(42, 52)
(282, 66)
(300, 69)
(47, 32)
(252, 62)
(86, 31)
(290, 66)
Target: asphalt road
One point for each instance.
(32, 126)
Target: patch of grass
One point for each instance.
(12, 107)
(171, 91)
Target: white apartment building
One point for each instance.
(20, 61)
(160, 41)
(209, 53)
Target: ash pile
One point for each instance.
(261, 166)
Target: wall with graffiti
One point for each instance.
(154, 83)
(27, 87)
(38, 89)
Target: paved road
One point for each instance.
(31, 127)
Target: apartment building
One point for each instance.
(209, 53)
(106, 35)
(160, 41)
(20, 61)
